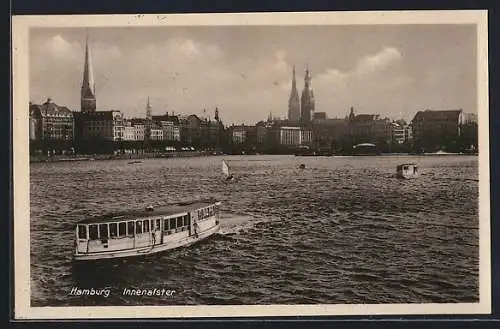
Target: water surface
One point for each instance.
(343, 230)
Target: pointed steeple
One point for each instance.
(307, 102)
(217, 114)
(307, 77)
(88, 100)
(148, 110)
(294, 100)
(351, 114)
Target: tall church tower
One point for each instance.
(88, 101)
(294, 101)
(217, 118)
(149, 115)
(149, 121)
(307, 100)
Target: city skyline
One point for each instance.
(247, 71)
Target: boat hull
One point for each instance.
(148, 250)
(407, 176)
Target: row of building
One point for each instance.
(429, 129)
(50, 121)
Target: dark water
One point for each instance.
(343, 230)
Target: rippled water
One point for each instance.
(343, 230)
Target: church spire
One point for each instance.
(88, 101)
(294, 100)
(307, 101)
(217, 118)
(307, 77)
(148, 110)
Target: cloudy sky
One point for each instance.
(246, 71)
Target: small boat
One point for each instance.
(133, 162)
(407, 170)
(144, 232)
(226, 172)
(441, 152)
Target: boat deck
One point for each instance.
(157, 211)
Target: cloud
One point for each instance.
(60, 48)
(186, 75)
(373, 75)
(378, 62)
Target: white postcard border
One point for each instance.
(21, 186)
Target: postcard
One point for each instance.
(251, 165)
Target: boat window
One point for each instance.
(185, 220)
(157, 224)
(93, 235)
(138, 227)
(179, 221)
(145, 225)
(165, 225)
(82, 232)
(172, 224)
(130, 228)
(113, 230)
(122, 229)
(103, 231)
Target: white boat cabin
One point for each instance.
(152, 229)
(407, 170)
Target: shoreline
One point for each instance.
(188, 154)
(102, 157)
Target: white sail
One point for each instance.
(225, 168)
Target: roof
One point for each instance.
(366, 117)
(50, 108)
(97, 115)
(166, 117)
(431, 115)
(141, 213)
(408, 164)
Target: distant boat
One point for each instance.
(365, 149)
(132, 162)
(441, 152)
(407, 170)
(226, 172)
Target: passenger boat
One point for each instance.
(144, 232)
(407, 170)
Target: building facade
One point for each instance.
(437, 129)
(128, 132)
(50, 121)
(238, 134)
(398, 133)
(106, 125)
(289, 136)
(369, 128)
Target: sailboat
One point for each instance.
(225, 171)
